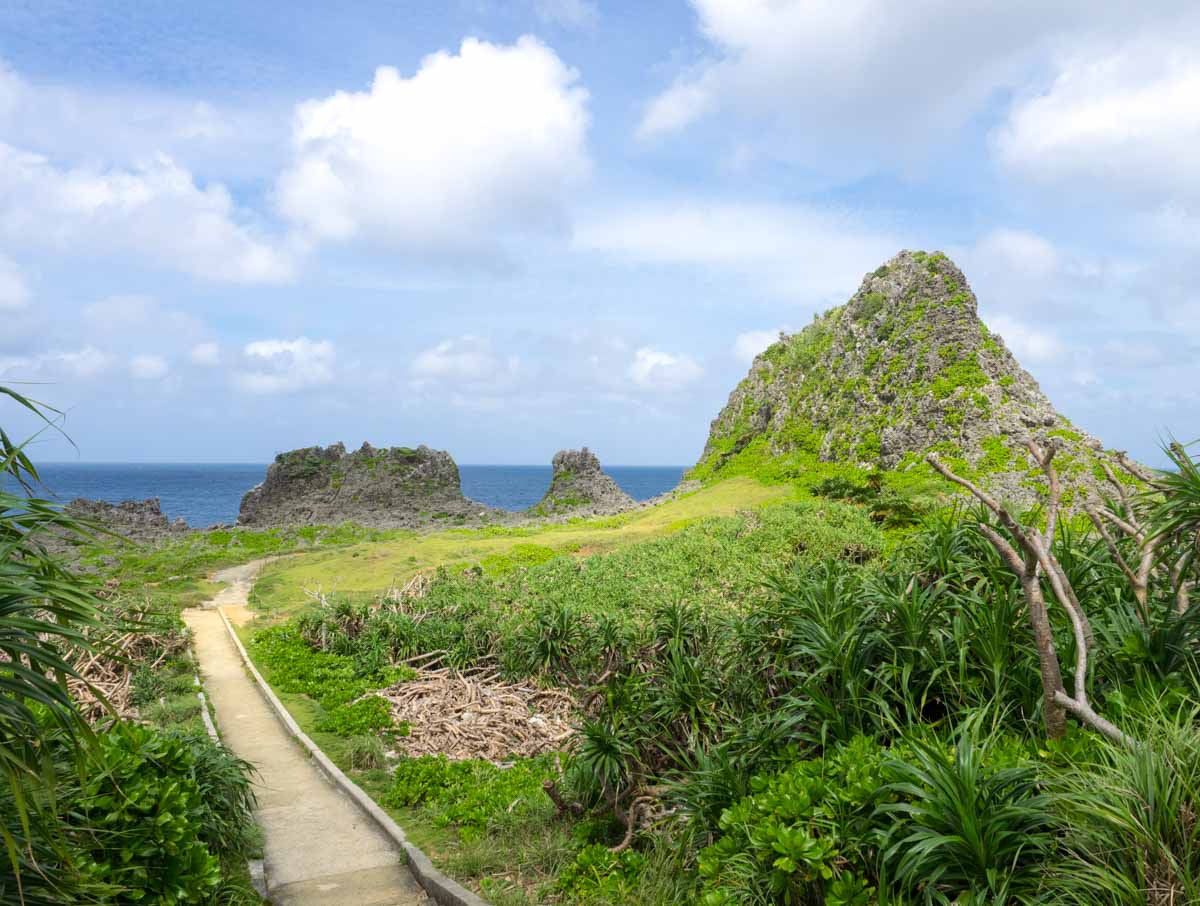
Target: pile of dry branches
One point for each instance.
(106, 673)
(475, 715)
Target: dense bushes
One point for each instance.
(147, 816)
(471, 794)
(773, 713)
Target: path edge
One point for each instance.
(444, 890)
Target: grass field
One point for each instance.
(371, 567)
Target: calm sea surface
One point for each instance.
(204, 494)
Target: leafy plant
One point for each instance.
(963, 828)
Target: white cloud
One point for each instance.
(1019, 250)
(285, 366)
(13, 291)
(94, 121)
(148, 367)
(206, 354)
(473, 146)
(1122, 119)
(1028, 344)
(843, 83)
(464, 360)
(748, 345)
(155, 210)
(652, 369)
(786, 250)
(568, 13)
(86, 362)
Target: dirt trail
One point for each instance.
(319, 848)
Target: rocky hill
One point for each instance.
(903, 368)
(395, 487)
(579, 487)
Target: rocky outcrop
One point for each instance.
(578, 487)
(905, 367)
(394, 487)
(135, 520)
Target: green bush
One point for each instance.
(473, 794)
(139, 817)
(356, 718)
(803, 835)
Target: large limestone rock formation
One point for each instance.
(905, 367)
(395, 487)
(579, 487)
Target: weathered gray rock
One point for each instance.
(136, 520)
(905, 367)
(579, 487)
(394, 487)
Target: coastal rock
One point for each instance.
(136, 520)
(580, 487)
(905, 367)
(392, 487)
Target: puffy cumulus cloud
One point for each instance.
(206, 354)
(285, 366)
(866, 79)
(1118, 119)
(156, 211)
(147, 367)
(787, 250)
(14, 293)
(473, 146)
(652, 369)
(568, 13)
(1028, 344)
(85, 362)
(748, 345)
(467, 360)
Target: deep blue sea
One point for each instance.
(205, 493)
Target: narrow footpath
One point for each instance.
(319, 848)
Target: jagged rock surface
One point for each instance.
(579, 487)
(905, 367)
(135, 520)
(395, 487)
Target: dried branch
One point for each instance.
(475, 715)
(1036, 559)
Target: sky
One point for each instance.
(506, 228)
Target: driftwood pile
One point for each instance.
(109, 668)
(473, 714)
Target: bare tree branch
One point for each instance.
(1036, 558)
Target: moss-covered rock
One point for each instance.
(905, 367)
(578, 486)
(395, 487)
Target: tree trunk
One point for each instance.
(1054, 714)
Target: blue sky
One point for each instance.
(503, 228)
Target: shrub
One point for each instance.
(803, 835)
(473, 794)
(1129, 817)
(140, 815)
(962, 828)
(357, 718)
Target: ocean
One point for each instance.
(208, 493)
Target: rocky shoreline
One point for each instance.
(388, 488)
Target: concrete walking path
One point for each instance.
(320, 849)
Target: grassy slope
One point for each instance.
(372, 566)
